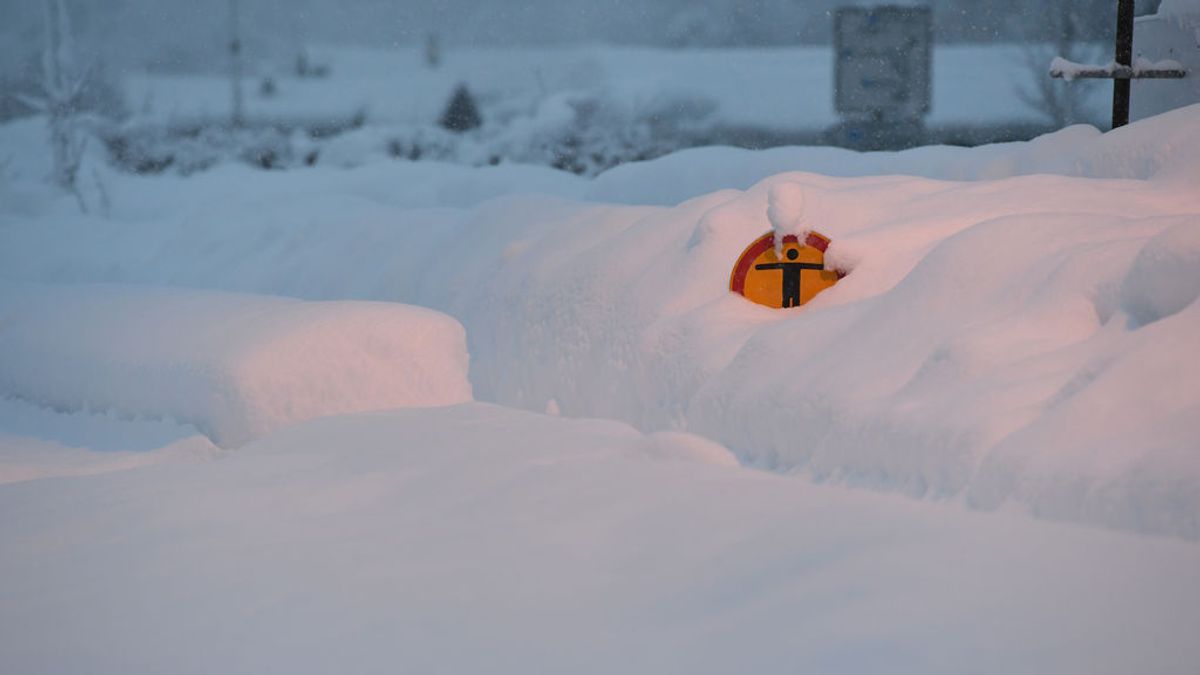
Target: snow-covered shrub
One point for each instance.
(428, 143)
(580, 132)
(588, 132)
(265, 148)
(149, 149)
(186, 149)
(461, 113)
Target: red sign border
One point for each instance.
(737, 279)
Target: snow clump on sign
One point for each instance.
(786, 206)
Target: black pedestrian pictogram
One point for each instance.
(791, 276)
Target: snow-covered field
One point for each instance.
(482, 539)
(1015, 337)
(584, 108)
(773, 88)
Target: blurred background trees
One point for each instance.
(184, 35)
(580, 122)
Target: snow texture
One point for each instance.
(1070, 70)
(1017, 334)
(1178, 9)
(234, 366)
(1165, 277)
(37, 442)
(482, 539)
(1000, 340)
(1170, 37)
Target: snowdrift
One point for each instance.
(1014, 339)
(478, 539)
(1020, 341)
(234, 366)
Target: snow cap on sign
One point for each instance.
(786, 205)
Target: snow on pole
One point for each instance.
(1122, 69)
(1141, 69)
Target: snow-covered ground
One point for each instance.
(482, 539)
(1015, 333)
(37, 441)
(584, 109)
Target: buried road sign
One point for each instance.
(763, 277)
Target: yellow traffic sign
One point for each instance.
(763, 277)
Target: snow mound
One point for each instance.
(679, 446)
(999, 368)
(235, 366)
(1165, 276)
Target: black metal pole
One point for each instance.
(1124, 57)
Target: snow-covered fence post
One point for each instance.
(1122, 69)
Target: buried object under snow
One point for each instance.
(786, 276)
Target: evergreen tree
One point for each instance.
(461, 113)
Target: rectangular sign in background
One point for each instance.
(883, 60)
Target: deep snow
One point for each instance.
(1016, 333)
(235, 366)
(482, 539)
(1013, 339)
(39, 442)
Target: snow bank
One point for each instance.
(1020, 341)
(235, 366)
(26, 459)
(1008, 364)
(987, 335)
(478, 539)
(1165, 145)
